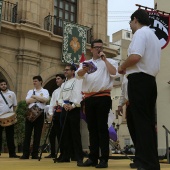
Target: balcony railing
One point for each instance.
(55, 25)
(9, 11)
(167, 132)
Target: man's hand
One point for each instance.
(120, 110)
(121, 70)
(85, 68)
(70, 107)
(66, 107)
(33, 96)
(83, 71)
(50, 117)
(102, 56)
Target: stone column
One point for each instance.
(94, 14)
(30, 12)
(100, 20)
(28, 66)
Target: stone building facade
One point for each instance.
(28, 49)
(163, 99)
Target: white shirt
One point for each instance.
(42, 92)
(54, 99)
(101, 79)
(10, 98)
(146, 44)
(71, 90)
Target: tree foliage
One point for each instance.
(20, 125)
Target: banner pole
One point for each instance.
(151, 9)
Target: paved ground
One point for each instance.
(48, 164)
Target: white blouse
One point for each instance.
(54, 100)
(42, 93)
(71, 91)
(100, 79)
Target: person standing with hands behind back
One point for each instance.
(141, 68)
(37, 96)
(96, 90)
(55, 117)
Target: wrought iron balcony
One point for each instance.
(9, 12)
(55, 25)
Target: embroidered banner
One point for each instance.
(74, 42)
(160, 24)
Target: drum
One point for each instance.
(8, 119)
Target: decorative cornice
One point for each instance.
(42, 35)
(28, 30)
(28, 57)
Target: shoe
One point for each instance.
(63, 160)
(35, 157)
(102, 164)
(24, 157)
(88, 162)
(60, 157)
(14, 156)
(50, 156)
(80, 163)
(133, 165)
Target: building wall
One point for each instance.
(163, 101)
(26, 49)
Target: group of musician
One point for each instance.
(74, 86)
(88, 87)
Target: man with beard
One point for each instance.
(70, 98)
(7, 106)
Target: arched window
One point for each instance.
(66, 10)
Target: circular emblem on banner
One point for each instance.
(160, 25)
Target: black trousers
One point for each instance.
(97, 110)
(142, 93)
(55, 131)
(9, 130)
(37, 126)
(130, 124)
(71, 138)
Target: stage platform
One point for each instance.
(46, 163)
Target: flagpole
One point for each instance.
(152, 9)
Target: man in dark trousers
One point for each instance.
(141, 68)
(55, 113)
(70, 98)
(37, 96)
(10, 106)
(96, 89)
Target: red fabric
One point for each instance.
(82, 59)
